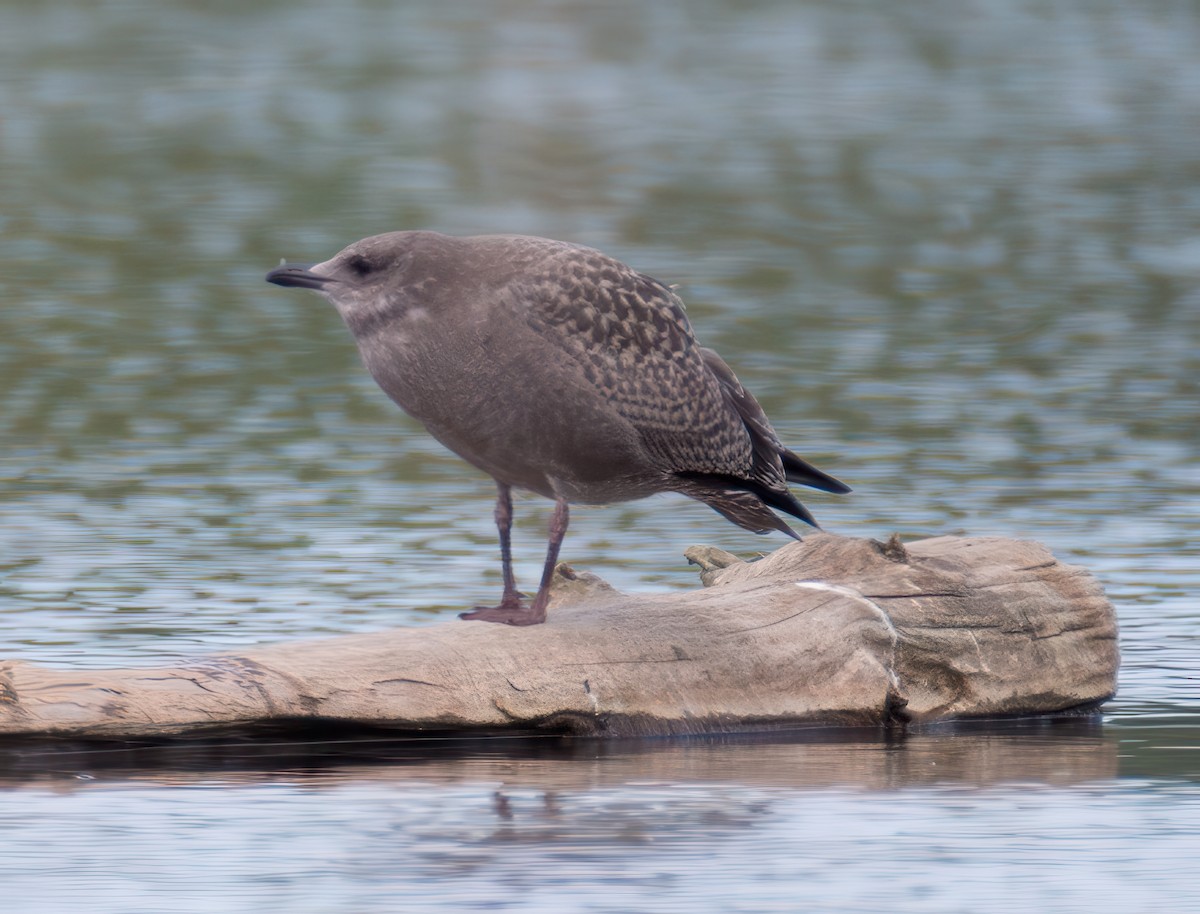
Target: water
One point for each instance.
(952, 247)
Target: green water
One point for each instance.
(954, 248)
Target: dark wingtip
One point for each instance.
(745, 502)
(297, 275)
(797, 469)
(786, 501)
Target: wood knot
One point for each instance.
(710, 558)
(893, 550)
(571, 586)
(712, 562)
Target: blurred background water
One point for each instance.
(953, 247)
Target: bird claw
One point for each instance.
(507, 613)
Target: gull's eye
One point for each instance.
(359, 266)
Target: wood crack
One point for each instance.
(435, 685)
(919, 595)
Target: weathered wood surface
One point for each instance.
(832, 630)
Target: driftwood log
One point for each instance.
(832, 630)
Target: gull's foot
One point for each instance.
(511, 611)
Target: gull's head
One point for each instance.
(368, 272)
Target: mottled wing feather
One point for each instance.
(631, 337)
(768, 466)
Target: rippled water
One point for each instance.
(955, 249)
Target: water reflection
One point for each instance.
(845, 818)
(1057, 752)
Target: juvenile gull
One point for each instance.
(554, 368)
